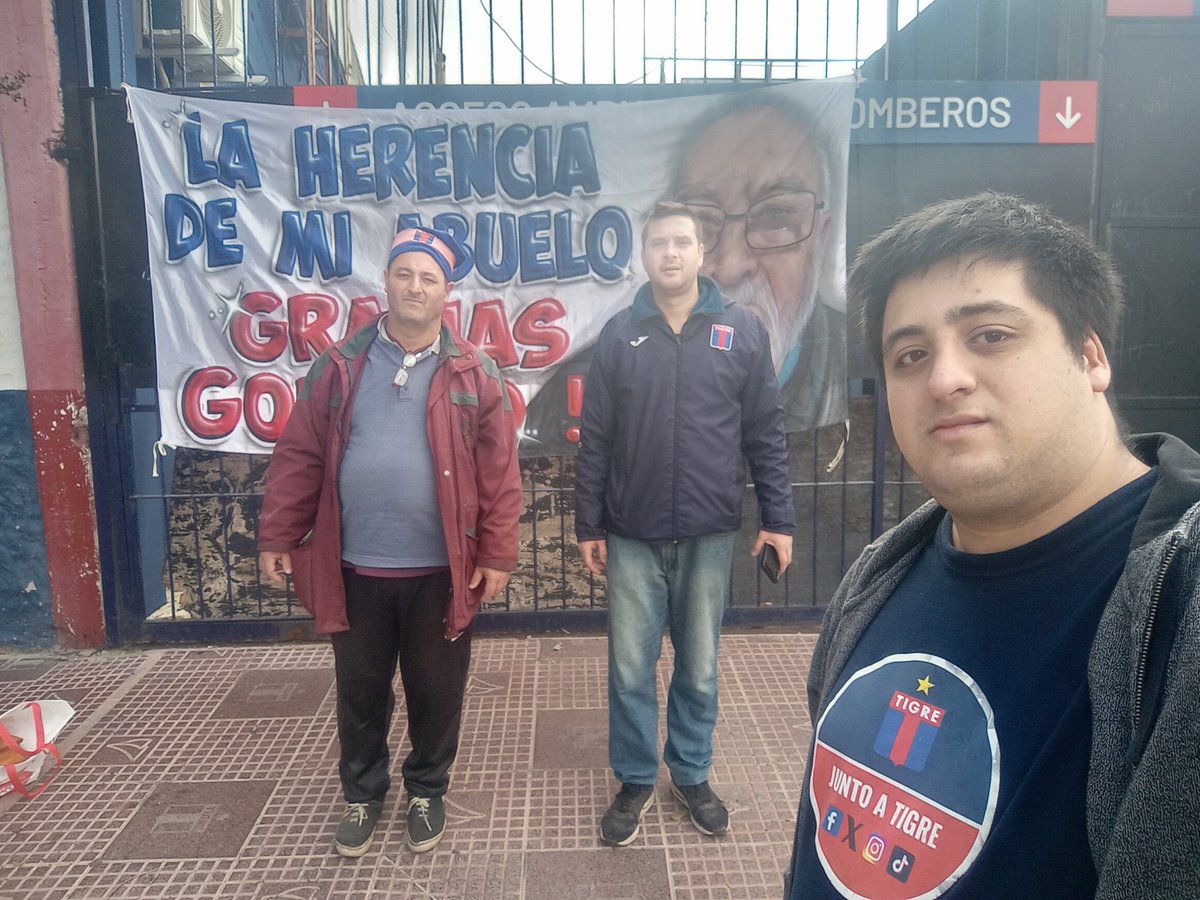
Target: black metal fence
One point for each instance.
(197, 520)
(190, 43)
(183, 542)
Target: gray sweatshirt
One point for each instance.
(1143, 803)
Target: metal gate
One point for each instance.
(181, 524)
(178, 527)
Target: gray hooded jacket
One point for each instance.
(1143, 804)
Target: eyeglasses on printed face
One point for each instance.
(772, 223)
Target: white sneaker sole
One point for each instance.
(700, 828)
(354, 852)
(427, 845)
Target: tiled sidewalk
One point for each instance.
(196, 773)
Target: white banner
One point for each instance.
(269, 227)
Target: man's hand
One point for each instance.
(595, 555)
(275, 564)
(782, 544)
(493, 580)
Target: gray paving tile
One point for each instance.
(610, 874)
(275, 693)
(192, 819)
(26, 669)
(571, 739)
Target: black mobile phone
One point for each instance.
(768, 561)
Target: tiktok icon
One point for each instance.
(901, 863)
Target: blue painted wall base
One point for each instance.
(25, 615)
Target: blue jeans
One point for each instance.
(685, 585)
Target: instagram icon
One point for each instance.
(873, 852)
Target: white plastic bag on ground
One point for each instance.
(27, 734)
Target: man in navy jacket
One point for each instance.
(681, 391)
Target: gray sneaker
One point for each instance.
(623, 819)
(708, 813)
(426, 823)
(357, 828)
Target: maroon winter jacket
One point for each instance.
(472, 435)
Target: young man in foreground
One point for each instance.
(1006, 690)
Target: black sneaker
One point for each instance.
(426, 823)
(357, 828)
(709, 814)
(623, 819)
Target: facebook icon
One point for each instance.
(832, 820)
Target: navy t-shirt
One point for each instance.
(953, 757)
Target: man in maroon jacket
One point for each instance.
(392, 500)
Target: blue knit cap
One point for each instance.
(445, 249)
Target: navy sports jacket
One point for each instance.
(669, 422)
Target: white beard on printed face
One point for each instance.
(758, 299)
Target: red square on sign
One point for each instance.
(1067, 112)
(1150, 8)
(338, 96)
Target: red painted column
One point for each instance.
(31, 120)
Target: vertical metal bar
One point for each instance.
(737, 68)
(533, 522)
(277, 33)
(1007, 32)
(434, 47)
(827, 17)
(245, 45)
(705, 38)
(553, 43)
(521, 13)
(332, 76)
(767, 41)
(462, 78)
(583, 41)
(1037, 44)
(491, 44)
(644, 59)
(256, 503)
(878, 464)
(422, 25)
(796, 44)
(183, 45)
(893, 30)
(287, 590)
(223, 506)
(845, 498)
(675, 43)
(366, 27)
(613, 19)
(167, 542)
(154, 63)
(401, 41)
(308, 42)
(196, 538)
(857, 34)
(978, 30)
(815, 524)
(562, 523)
(212, 37)
(121, 49)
